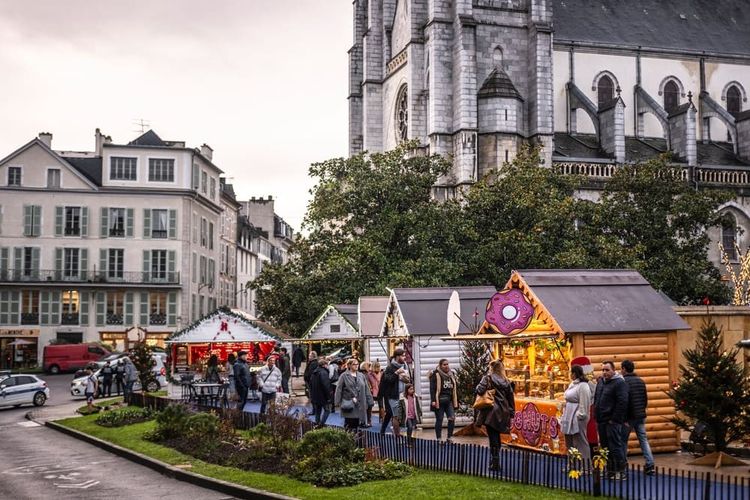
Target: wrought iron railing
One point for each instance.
(30, 318)
(69, 318)
(57, 276)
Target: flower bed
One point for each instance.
(124, 416)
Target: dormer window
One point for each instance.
(160, 170)
(605, 90)
(123, 169)
(14, 176)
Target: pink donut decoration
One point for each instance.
(509, 311)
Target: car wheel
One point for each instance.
(39, 399)
(54, 369)
(16, 406)
(152, 386)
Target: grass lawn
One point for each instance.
(421, 484)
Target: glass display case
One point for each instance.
(539, 367)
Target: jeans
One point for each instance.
(120, 385)
(639, 426)
(390, 406)
(445, 408)
(612, 436)
(285, 384)
(317, 410)
(128, 389)
(106, 389)
(265, 397)
(411, 425)
(242, 395)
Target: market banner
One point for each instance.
(536, 425)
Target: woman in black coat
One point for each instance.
(497, 418)
(320, 392)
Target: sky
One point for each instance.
(263, 82)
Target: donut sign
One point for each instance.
(509, 311)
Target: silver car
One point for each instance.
(21, 389)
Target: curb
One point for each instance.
(169, 470)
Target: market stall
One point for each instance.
(371, 313)
(419, 320)
(221, 332)
(545, 318)
(335, 330)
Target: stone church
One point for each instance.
(596, 83)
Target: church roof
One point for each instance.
(498, 84)
(719, 26)
(149, 138)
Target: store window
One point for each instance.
(70, 307)
(157, 308)
(30, 307)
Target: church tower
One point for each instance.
(469, 79)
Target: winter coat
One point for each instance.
(320, 387)
(389, 382)
(353, 386)
(611, 400)
(577, 406)
(637, 397)
(435, 387)
(309, 369)
(500, 415)
(298, 357)
(241, 375)
(269, 379)
(131, 373)
(374, 379)
(417, 408)
(107, 373)
(212, 375)
(286, 371)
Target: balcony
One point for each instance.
(114, 319)
(30, 318)
(58, 276)
(69, 318)
(157, 319)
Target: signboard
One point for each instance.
(536, 425)
(19, 332)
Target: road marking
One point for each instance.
(79, 486)
(28, 423)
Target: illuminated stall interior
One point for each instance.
(335, 331)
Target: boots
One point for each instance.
(495, 460)
(396, 427)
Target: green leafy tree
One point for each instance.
(713, 389)
(660, 222)
(142, 357)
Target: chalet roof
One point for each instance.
(425, 310)
(715, 26)
(602, 301)
(371, 312)
(349, 312)
(237, 329)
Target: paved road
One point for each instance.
(40, 463)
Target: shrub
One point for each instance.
(125, 416)
(347, 473)
(330, 442)
(202, 426)
(171, 422)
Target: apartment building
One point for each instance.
(261, 213)
(107, 245)
(228, 246)
(254, 251)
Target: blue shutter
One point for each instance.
(173, 224)
(101, 309)
(59, 215)
(146, 266)
(84, 308)
(84, 221)
(128, 309)
(147, 223)
(144, 308)
(172, 309)
(104, 222)
(129, 223)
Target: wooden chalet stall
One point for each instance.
(371, 313)
(420, 319)
(545, 318)
(335, 327)
(221, 332)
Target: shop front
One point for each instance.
(123, 340)
(18, 348)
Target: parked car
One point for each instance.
(21, 389)
(95, 365)
(70, 357)
(78, 385)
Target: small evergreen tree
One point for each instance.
(475, 361)
(142, 356)
(713, 389)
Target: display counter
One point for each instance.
(536, 425)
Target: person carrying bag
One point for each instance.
(496, 404)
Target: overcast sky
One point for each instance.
(263, 82)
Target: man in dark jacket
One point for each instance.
(241, 379)
(320, 392)
(285, 365)
(637, 403)
(394, 375)
(611, 409)
(298, 356)
(312, 364)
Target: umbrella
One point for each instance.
(21, 342)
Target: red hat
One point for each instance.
(584, 362)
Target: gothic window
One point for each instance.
(671, 96)
(497, 57)
(402, 114)
(605, 91)
(734, 100)
(729, 236)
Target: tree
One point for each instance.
(142, 356)
(660, 222)
(713, 389)
(473, 365)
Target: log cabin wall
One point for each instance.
(654, 355)
(734, 322)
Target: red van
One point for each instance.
(70, 357)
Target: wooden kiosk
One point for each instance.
(337, 326)
(545, 318)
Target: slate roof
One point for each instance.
(687, 25)
(602, 301)
(498, 84)
(425, 310)
(371, 314)
(149, 138)
(349, 311)
(90, 167)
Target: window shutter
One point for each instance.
(4, 308)
(43, 307)
(1, 219)
(147, 223)
(104, 222)
(101, 309)
(171, 257)
(196, 177)
(4, 254)
(146, 266)
(129, 223)
(35, 261)
(194, 272)
(36, 228)
(28, 220)
(128, 309)
(15, 307)
(84, 308)
(18, 261)
(58, 221)
(84, 263)
(84, 221)
(54, 315)
(173, 224)
(103, 268)
(58, 263)
(211, 271)
(144, 308)
(172, 309)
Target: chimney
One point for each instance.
(207, 151)
(742, 122)
(612, 128)
(46, 138)
(98, 142)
